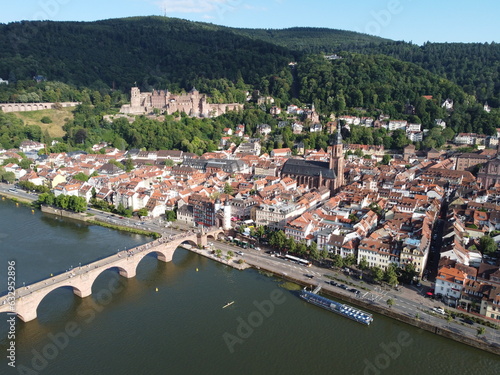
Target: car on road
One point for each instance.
(468, 321)
(257, 248)
(343, 286)
(309, 276)
(354, 290)
(240, 253)
(439, 310)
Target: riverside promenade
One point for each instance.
(410, 306)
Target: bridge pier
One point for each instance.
(83, 290)
(201, 239)
(26, 313)
(129, 273)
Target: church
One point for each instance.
(316, 174)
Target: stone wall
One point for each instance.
(25, 107)
(64, 213)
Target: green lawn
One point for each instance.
(58, 118)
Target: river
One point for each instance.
(170, 319)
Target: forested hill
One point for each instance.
(152, 51)
(313, 39)
(474, 66)
(381, 83)
(161, 52)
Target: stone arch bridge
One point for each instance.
(81, 279)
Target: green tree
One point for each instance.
(143, 212)
(302, 248)
(338, 261)
(46, 120)
(408, 273)
(46, 198)
(378, 274)
(350, 260)
(25, 163)
(390, 275)
(129, 164)
(8, 177)
(81, 177)
(323, 254)
(390, 302)
(117, 163)
(363, 264)
(170, 215)
(313, 251)
(228, 189)
(278, 239)
(77, 204)
(386, 159)
(487, 245)
(260, 232)
(62, 201)
(291, 245)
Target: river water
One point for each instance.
(170, 319)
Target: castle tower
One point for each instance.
(337, 160)
(135, 97)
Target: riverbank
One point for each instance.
(16, 198)
(231, 262)
(124, 228)
(387, 311)
(63, 213)
(448, 332)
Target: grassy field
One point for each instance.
(58, 118)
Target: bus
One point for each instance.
(298, 260)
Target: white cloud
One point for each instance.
(198, 6)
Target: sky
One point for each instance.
(417, 21)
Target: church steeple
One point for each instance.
(337, 159)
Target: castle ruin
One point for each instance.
(192, 103)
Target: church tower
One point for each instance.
(337, 160)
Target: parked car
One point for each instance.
(309, 275)
(439, 310)
(468, 321)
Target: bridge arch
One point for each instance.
(28, 311)
(126, 269)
